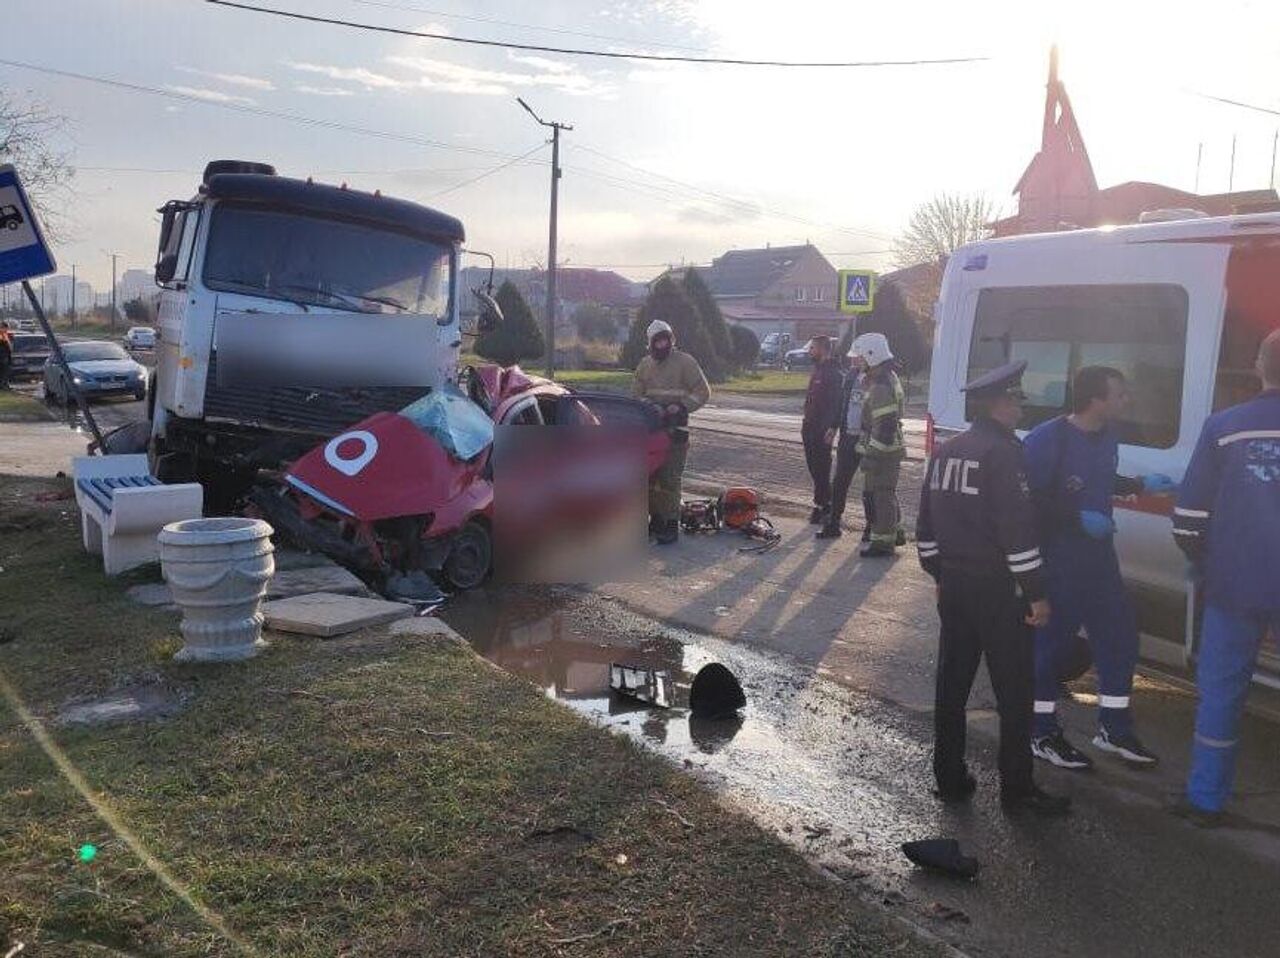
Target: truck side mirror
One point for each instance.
(490, 312)
(166, 267)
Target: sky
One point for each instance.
(666, 163)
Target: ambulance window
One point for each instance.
(1253, 292)
(1139, 329)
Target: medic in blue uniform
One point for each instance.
(1227, 521)
(1071, 468)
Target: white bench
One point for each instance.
(123, 508)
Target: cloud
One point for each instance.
(233, 79)
(546, 64)
(457, 78)
(322, 90)
(720, 215)
(211, 96)
(366, 78)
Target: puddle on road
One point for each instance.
(837, 775)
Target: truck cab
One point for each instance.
(289, 311)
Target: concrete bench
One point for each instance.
(123, 508)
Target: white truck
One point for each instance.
(1180, 306)
(290, 310)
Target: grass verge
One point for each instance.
(375, 795)
(20, 407)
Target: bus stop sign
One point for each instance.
(857, 290)
(23, 250)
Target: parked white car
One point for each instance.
(140, 337)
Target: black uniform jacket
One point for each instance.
(976, 515)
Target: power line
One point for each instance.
(487, 173)
(520, 26)
(257, 111)
(1239, 103)
(606, 54)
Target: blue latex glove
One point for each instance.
(1157, 484)
(1097, 525)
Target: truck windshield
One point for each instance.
(316, 261)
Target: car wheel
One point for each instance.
(470, 556)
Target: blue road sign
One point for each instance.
(23, 250)
(857, 290)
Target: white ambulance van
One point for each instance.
(1179, 305)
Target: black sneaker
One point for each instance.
(1126, 746)
(668, 533)
(902, 538)
(817, 515)
(960, 791)
(829, 531)
(1056, 750)
(1197, 816)
(1037, 801)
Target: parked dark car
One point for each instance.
(798, 358)
(30, 352)
(772, 347)
(100, 369)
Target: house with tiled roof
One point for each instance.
(777, 289)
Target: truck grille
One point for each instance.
(318, 410)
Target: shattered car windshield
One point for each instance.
(332, 263)
(462, 428)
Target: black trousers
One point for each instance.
(983, 615)
(847, 460)
(817, 456)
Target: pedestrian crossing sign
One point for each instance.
(857, 290)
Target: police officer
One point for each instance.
(977, 539)
(1227, 521)
(1071, 468)
(880, 441)
(673, 381)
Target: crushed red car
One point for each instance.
(406, 501)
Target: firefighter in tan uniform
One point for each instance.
(673, 381)
(880, 443)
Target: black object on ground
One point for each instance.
(715, 693)
(638, 682)
(941, 855)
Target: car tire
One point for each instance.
(470, 556)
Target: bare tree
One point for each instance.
(28, 134)
(941, 226)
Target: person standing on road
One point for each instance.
(817, 427)
(1227, 521)
(976, 536)
(1071, 467)
(673, 381)
(6, 356)
(846, 435)
(880, 441)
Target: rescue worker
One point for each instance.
(821, 413)
(1071, 468)
(976, 537)
(1227, 521)
(6, 356)
(880, 441)
(673, 381)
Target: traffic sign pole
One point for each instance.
(56, 348)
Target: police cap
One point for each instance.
(1005, 380)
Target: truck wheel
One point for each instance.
(470, 556)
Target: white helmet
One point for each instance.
(657, 328)
(872, 348)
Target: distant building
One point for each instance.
(575, 286)
(1058, 189)
(135, 284)
(778, 289)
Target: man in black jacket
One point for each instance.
(821, 416)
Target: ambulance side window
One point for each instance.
(1141, 330)
(1253, 290)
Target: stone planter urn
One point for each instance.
(218, 570)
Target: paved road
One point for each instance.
(782, 426)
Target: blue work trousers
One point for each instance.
(1229, 645)
(1086, 591)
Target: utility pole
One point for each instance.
(113, 291)
(556, 127)
(73, 295)
(1275, 140)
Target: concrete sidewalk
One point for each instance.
(871, 625)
